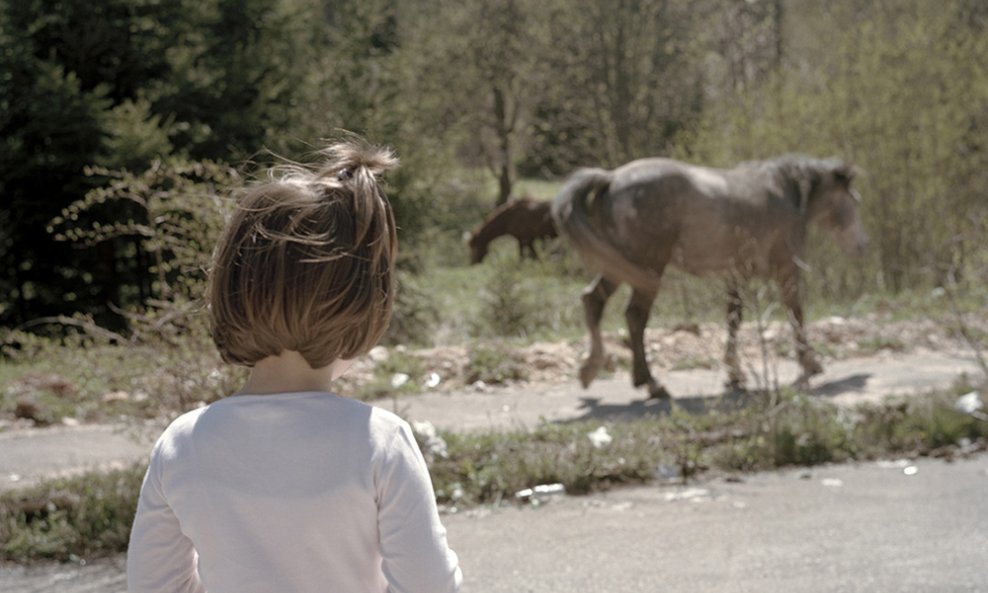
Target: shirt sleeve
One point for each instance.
(160, 558)
(416, 556)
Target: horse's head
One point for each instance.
(478, 248)
(836, 205)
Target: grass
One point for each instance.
(90, 515)
(83, 516)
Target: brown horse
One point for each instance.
(751, 221)
(525, 219)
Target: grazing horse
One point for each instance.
(524, 218)
(751, 221)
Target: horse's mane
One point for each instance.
(505, 207)
(796, 174)
(793, 163)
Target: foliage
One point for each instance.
(921, 151)
(530, 91)
(119, 85)
(517, 299)
(175, 211)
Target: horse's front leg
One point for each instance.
(530, 246)
(735, 376)
(637, 313)
(789, 287)
(594, 298)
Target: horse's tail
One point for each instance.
(570, 211)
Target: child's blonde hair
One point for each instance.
(305, 263)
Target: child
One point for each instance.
(285, 486)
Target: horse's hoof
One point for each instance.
(735, 386)
(656, 391)
(735, 381)
(803, 382)
(811, 366)
(588, 373)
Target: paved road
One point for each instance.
(849, 528)
(27, 456)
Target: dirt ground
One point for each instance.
(692, 346)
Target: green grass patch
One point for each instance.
(84, 516)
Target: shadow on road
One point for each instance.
(730, 399)
(855, 382)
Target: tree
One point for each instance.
(627, 70)
(893, 89)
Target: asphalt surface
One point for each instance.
(899, 527)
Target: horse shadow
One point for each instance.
(700, 404)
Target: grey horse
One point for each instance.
(750, 221)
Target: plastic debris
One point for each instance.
(540, 493)
(214, 378)
(434, 445)
(895, 464)
(832, 482)
(912, 470)
(14, 477)
(969, 403)
(115, 396)
(666, 472)
(432, 380)
(690, 494)
(378, 353)
(399, 379)
(600, 437)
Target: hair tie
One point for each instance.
(344, 174)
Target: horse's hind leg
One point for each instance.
(594, 298)
(789, 287)
(636, 315)
(735, 377)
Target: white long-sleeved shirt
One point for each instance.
(293, 492)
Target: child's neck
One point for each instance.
(289, 372)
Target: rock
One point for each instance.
(115, 396)
(29, 409)
(43, 382)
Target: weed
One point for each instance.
(84, 516)
(400, 373)
(495, 363)
(691, 362)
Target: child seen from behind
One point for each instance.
(286, 486)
